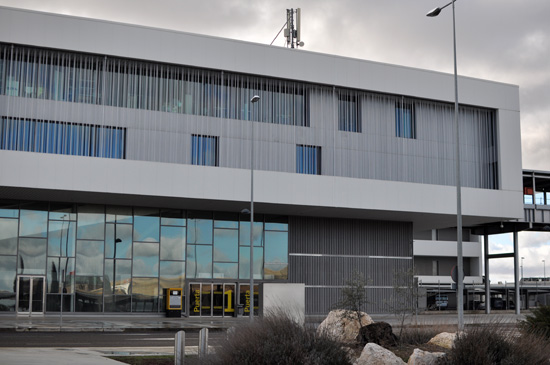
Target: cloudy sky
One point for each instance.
(501, 40)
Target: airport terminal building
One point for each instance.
(125, 157)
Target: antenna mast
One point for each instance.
(293, 34)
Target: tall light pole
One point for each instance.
(522, 258)
(544, 263)
(460, 278)
(253, 100)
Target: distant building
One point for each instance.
(125, 158)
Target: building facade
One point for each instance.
(126, 154)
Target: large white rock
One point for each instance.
(374, 354)
(420, 357)
(444, 339)
(342, 327)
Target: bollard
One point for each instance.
(179, 348)
(203, 342)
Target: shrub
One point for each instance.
(537, 322)
(496, 344)
(278, 340)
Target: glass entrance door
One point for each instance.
(30, 295)
(206, 299)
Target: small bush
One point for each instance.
(537, 322)
(494, 344)
(278, 340)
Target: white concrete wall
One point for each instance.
(284, 298)
(445, 248)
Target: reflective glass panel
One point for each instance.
(60, 275)
(244, 259)
(145, 293)
(89, 258)
(119, 215)
(89, 293)
(147, 228)
(199, 231)
(61, 238)
(244, 234)
(118, 240)
(276, 255)
(9, 209)
(199, 261)
(7, 283)
(8, 236)
(244, 298)
(121, 270)
(63, 212)
(225, 270)
(172, 243)
(226, 220)
(146, 259)
(171, 217)
(32, 256)
(276, 223)
(226, 245)
(91, 222)
(172, 274)
(33, 223)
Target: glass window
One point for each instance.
(61, 238)
(244, 260)
(60, 275)
(226, 220)
(118, 241)
(7, 283)
(276, 223)
(62, 138)
(147, 225)
(145, 292)
(146, 259)
(33, 223)
(9, 209)
(89, 258)
(308, 160)
(121, 270)
(225, 270)
(172, 217)
(204, 150)
(199, 231)
(89, 292)
(172, 274)
(244, 234)
(172, 243)
(32, 256)
(8, 236)
(91, 222)
(349, 116)
(62, 212)
(405, 120)
(119, 215)
(276, 255)
(226, 245)
(199, 261)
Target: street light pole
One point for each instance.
(460, 278)
(253, 100)
(544, 263)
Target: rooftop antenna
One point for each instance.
(291, 33)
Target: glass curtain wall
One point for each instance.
(118, 259)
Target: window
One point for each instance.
(62, 138)
(405, 119)
(204, 150)
(308, 160)
(349, 116)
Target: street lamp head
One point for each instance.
(255, 99)
(245, 211)
(434, 12)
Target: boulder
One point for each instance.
(379, 333)
(343, 326)
(444, 339)
(420, 357)
(374, 354)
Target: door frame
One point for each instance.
(30, 312)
